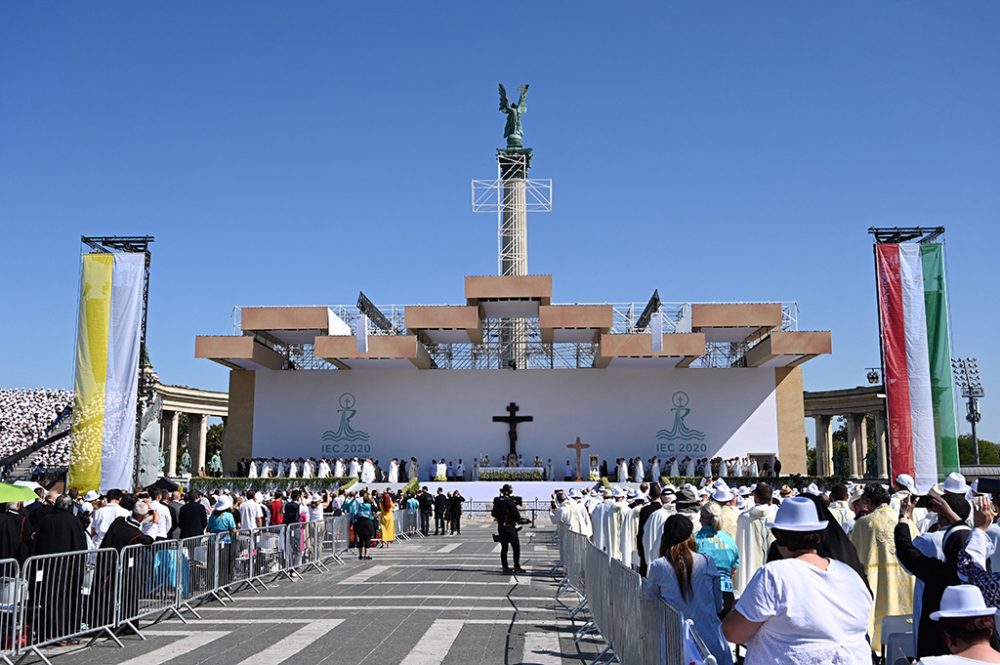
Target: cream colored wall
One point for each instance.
(238, 437)
(791, 419)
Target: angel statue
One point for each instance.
(512, 131)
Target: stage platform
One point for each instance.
(485, 490)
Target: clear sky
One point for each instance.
(296, 153)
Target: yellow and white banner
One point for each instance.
(107, 371)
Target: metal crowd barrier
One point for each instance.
(62, 597)
(12, 596)
(637, 632)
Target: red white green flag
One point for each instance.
(916, 343)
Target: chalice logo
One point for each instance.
(344, 431)
(679, 431)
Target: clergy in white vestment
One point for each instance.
(293, 470)
(640, 473)
(281, 470)
(654, 471)
(324, 469)
(265, 470)
(476, 463)
(394, 470)
(615, 523)
(723, 469)
(252, 471)
(582, 524)
(738, 467)
(622, 475)
(674, 469)
(686, 504)
(354, 470)
(338, 469)
(548, 470)
(367, 471)
(597, 518)
(690, 470)
(307, 469)
(450, 470)
(630, 527)
(414, 469)
(753, 537)
(460, 470)
(754, 469)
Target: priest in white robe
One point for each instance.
(252, 471)
(615, 519)
(622, 475)
(293, 469)
(338, 469)
(460, 470)
(690, 471)
(280, 469)
(754, 469)
(652, 532)
(753, 538)
(723, 469)
(655, 470)
(265, 470)
(354, 470)
(674, 469)
(324, 469)
(367, 471)
(738, 468)
(630, 527)
(394, 470)
(414, 469)
(307, 469)
(600, 523)
(640, 474)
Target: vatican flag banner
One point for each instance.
(916, 343)
(107, 367)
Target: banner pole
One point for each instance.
(881, 354)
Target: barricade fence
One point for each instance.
(637, 632)
(56, 598)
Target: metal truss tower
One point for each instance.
(512, 196)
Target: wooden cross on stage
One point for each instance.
(512, 420)
(578, 446)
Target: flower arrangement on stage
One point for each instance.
(512, 474)
(270, 484)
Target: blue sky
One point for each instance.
(294, 153)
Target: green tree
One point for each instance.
(989, 452)
(213, 443)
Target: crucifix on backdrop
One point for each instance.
(512, 420)
(578, 447)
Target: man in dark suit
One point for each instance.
(440, 512)
(426, 503)
(192, 518)
(508, 519)
(455, 512)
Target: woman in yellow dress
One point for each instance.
(388, 520)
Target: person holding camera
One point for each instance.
(508, 519)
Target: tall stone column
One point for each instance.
(857, 443)
(513, 248)
(880, 434)
(174, 427)
(824, 446)
(197, 435)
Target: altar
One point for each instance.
(512, 473)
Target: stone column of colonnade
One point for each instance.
(824, 446)
(197, 439)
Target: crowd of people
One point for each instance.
(25, 414)
(807, 575)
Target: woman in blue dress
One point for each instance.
(721, 548)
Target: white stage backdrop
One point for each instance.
(449, 413)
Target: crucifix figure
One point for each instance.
(512, 420)
(578, 447)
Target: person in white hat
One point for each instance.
(804, 608)
(615, 522)
(729, 514)
(720, 547)
(966, 625)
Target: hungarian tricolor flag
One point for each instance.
(916, 343)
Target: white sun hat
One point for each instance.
(955, 483)
(92, 495)
(797, 513)
(723, 495)
(813, 489)
(963, 600)
(906, 481)
(224, 503)
(618, 492)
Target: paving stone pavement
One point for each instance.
(432, 601)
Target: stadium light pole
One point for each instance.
(969, 380)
